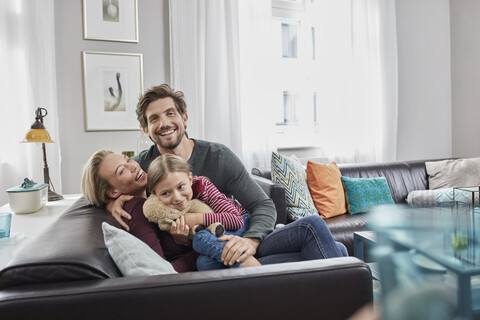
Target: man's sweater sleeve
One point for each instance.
(251, 196)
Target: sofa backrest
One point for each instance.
(402, 176)
(72, 248)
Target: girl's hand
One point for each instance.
(193, 218)
(179, 230)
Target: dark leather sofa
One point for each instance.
(67, 273)
(402, 177)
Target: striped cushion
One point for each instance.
(438, 196)
(290, 173)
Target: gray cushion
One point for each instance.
(133, 256)
(453, 173)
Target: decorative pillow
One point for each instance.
(453, 173)
(132, 256)
(362, 194)
(290, 173)
(437, 197)
(325, 185)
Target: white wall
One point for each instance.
(465, 77)
(76, 144)
(424, 106)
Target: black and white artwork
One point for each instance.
(112, 83)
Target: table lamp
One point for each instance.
(38, 133)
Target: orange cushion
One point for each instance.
(325, 184)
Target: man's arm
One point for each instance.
(245, 190)
(116, 210)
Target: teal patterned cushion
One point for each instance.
(363, 194)
(290, 173)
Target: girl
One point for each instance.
(171, 181)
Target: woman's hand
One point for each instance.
(116, 210)
(237, 249)
(179, 230)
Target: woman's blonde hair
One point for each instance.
(167, 163)
(94, 187)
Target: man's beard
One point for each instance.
(170, 145)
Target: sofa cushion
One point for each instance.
(325, 185)
(438, 197)
(289, 172)
(453, 173)
(364, 194)
(61, 253)
(133, 256)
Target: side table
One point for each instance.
(26, 226)
(361, 241)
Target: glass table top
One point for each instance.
(448, 234)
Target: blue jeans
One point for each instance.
(210, 249)
(305, 239)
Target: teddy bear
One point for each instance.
(157, 212)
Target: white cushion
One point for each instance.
(132, 256)
(453, 173)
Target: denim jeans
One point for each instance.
(305, 239)
(210, 249)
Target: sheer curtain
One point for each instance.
(219, 59)
(27, 81)
(375, 86)
(364, 86)
(222, 55)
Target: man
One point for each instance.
(162, 114)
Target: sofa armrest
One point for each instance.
(331, 289)
(276, 192)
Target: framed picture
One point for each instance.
(112, 83)
(110, 20)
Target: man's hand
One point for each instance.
(116, 210)
(179, 230)
(237, 249)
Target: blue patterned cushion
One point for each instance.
(363, 194)
(290, 173)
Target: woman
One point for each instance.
(108, 175)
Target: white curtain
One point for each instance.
(375, 85)
(219, 59)
(27, 81)
(362, 125)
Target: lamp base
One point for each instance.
(53, 196)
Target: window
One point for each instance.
(313, 42)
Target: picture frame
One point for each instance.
(110, 20)
(112, 83)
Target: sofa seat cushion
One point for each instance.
(62, 253)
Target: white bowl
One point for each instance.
(27, 200)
